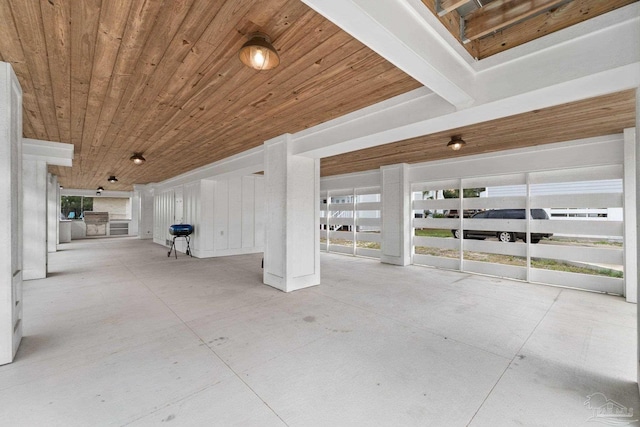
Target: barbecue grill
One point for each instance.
(177, 231)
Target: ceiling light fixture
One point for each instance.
(137, 158)
(100, 190)
(112, 179)
(456, 142)
(258, 53)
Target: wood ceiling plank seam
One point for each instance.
(85, 19)
(262, 13)
(230, 130)
(372, 67)
(56, 18)
(191, 96)
(566, 15)
(162, 129)
(503, 13)
(112, 23)
(29, 26)
(196, 99)
(243, 101)
(325, 102)
(165, 27)
(136, 34)
(249, 98)
(346, 109)
(12, 53)
(152, 91)
(256, 142)
(199, 61)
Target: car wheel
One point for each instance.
(456, 234)
(505, 236)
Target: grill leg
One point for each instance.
(173, 248)
(188, 239)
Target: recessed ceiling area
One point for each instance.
(488, 27)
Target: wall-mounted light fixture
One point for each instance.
(456, 143)
(258, 53)
(137, 158)
(112, 179)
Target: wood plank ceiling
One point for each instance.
(604, 115)
(487, 27)
(162, 78)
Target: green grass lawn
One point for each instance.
(501, 259)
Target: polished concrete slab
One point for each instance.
(120, 334)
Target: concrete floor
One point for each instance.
(119, 334)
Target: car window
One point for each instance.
(482, 214)
(539, 214)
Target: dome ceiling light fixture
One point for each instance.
(137, 158)
(112, 179)
(258, 53)
(456, 142)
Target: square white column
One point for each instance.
(292, 220)
(53, 213)
(11, 214)
(34, 210)
(630, 220)
(142, 211)
(396, 215)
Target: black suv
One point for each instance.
(505, 236)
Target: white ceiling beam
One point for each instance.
(245, 163)
(393, 30)
(53, 153)
(591, 64)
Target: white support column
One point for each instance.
(630, 220)
(396, 215)
(34, 219)
(53, 212)
(637, 230)
(11, 214)
(142, 211)
(292, 229)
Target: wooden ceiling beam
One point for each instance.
(502, 13)
(447, 6)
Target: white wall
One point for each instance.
(227, 215)
(238, 215)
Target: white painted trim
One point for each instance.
(351, 180)
(396, 33)
(630, 183)
(92, 193)
(583, 29)
(563, 155)
(53, 153)
(245, 163)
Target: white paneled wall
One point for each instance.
(163, 215)
(227, 215)
(238, 215)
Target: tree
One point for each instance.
(75, 204)
(467, 193)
